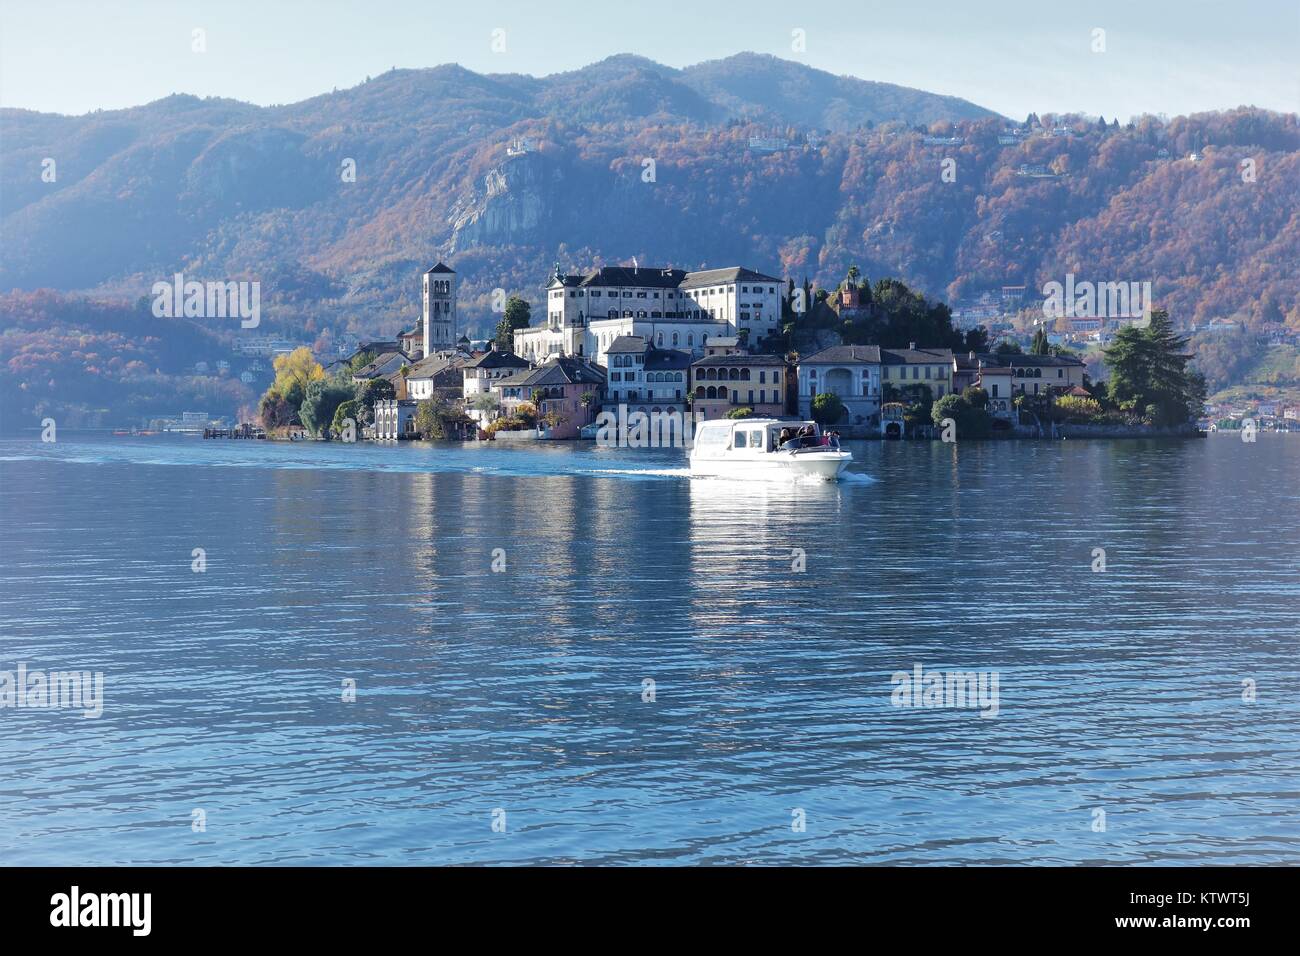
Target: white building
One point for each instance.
(478, 377)
(851, 372)
(436, 374)
(394, 419)
(748, 301)
(688, 335)
(646, 378)
(669, 308)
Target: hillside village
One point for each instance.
(691, 345)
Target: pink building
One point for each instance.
(556, 388)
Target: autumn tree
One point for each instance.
(294, 372)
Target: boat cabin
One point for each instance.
(748, 438)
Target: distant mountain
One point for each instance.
(771, 90)
(748, 160)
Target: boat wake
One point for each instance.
(414, 458)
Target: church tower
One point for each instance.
(439, 295)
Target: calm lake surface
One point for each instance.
(522, 690)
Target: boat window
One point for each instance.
(711, 437)
(739, 441)
(756, 440)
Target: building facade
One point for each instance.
(997, 382)
(850, 372)
(669, 308)
(749, 302)
(394, 419)
(479, 375)
(932, 368)
(723, 383)
(438, 376)
(1040, 374)
(438, 296)
(645, 378)
(559, 388)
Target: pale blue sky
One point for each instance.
(1170, 56)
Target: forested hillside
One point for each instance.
(749, 160)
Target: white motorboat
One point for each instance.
(753, 448)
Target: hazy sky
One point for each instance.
(1170, 56)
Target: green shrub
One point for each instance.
(827, 409)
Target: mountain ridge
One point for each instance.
(698, 167)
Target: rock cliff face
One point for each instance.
(514, 203)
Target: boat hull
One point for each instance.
(826, 466)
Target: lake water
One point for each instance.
(518, 696)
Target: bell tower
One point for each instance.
(439, 298)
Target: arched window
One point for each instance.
(734, 375)
(690, 338)
(713, 392)
(704, 338)
(744, 375)
(659, 340)
(710, 373)
(674, 340)
(699, 391)
(1038, 373)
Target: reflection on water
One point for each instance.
(769, 616)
